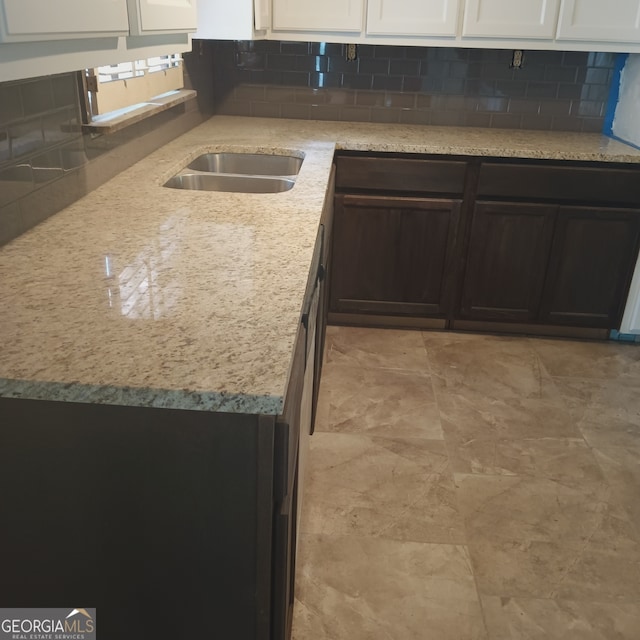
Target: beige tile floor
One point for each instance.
(472, 487)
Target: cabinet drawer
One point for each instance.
(537, 182)
(401, 174)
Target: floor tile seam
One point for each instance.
(366, 433)
(427, 479)
(573, 486)
(389, 537)
(506, 440)
(435, 542)
(336, 537)
(483, 613)
(558, 541)
(476, 582)
(426, 348)
(518, 595)
(383, 534)
(419, 543)
(450, 445)
(359, 366)
(586, 498)
(562, 599)
(376, 436)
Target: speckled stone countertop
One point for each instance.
(142, 295)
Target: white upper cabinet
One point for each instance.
(511, 18)
(413, 17)
(239, 20)
(32, 20)
(262, 18)
(42, 20)
(162, 16)
(318, 15)
(597, 20)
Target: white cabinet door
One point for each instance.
(262, 10)
(511, 18)
(239, 20)
(318, 15)
(413, 17)
(597, 20)
(153, 16)
(222, 20)
(30, 20)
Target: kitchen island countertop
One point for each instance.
(142, 295)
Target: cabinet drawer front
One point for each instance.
(401, 174)
(536, 182)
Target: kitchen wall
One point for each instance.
(46, 162)
(562, 91)
(626, 122)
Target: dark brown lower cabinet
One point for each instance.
(590, 266)
(393, 255)
(549, 264)
(506, 261)
(162, 518)
(494, 244)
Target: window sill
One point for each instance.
(112, 122)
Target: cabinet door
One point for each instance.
(30, 20)
(412, 17)
(393, 255)
(509, 19)
(262, 11)
(506, 261)
(592, 258)
(311, 15)
(600, 21)
(149, 16)
(219, 20)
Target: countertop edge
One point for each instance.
(131, 396)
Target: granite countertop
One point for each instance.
(142, 295)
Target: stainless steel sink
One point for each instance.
(255, 164)
(238, 173)
(229, 183)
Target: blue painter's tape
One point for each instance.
(635, 146)
(614, 94)
(623, 337)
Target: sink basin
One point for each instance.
(229, 183)
(255, 164)
(238, 173)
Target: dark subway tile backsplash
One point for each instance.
(553, 90)
(46, 163)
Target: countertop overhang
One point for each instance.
(142, 295)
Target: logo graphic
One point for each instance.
(82, 611)
(47, 624)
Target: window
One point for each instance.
(118, 93)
